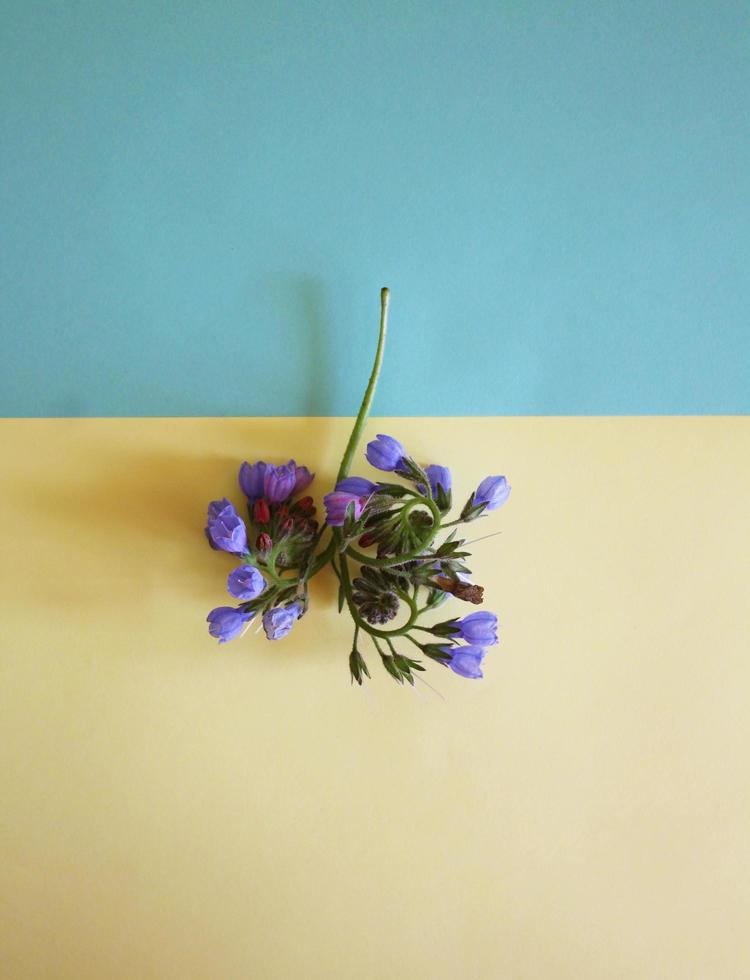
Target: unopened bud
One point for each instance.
(261, 513)
(305, 505)
(264, 542)
(287, 525)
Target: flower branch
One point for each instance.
(395, 526)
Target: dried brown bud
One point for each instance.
(461, 590)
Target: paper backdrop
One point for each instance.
(200, 202)
(173, 808)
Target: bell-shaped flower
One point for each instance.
(278, 622)
(466, 661)
(252, 480)
(357, 485)
(385, 453)
(225, 529)
(492, 491)
(478, 628)
(337, 503)
(225, 623)
(245, 582)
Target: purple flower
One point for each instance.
(225, 529)
(438, 476)
(357, 485)
(214, 509)
(466, 661)
(494, 490)
(302, 480)
(385, 453)
(336, 504)
(225, 623)
(478, 628)
(280, 482)
(245, 582)
(252, 480)
(278, 622)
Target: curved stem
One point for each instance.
(416, 552)
(364, 410)
(363, 624)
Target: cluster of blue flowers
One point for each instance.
(389, 529)
(285, 534)
(401, 565)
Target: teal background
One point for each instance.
(200, 202)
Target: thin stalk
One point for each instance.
(364, 410)
(356, 434)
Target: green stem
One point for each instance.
(364, 559)
(356, 434)
(364, 410)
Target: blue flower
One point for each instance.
(466, 661)
(493, 490)
(245, 582)
(478, 628)
(357, 485)
(439, 476)
(278, 483)
(252, 480)
(225, 529)
(225, 623)
(337, 503)
(302, 478)
(385, 453)
(278, 622)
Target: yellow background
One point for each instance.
(176, 809)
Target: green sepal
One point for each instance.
(390, 665)
(448, 628)
(436, 652)
(357, 666)
(443, 499)
(392, 489)
(471, 510)
(412, 471)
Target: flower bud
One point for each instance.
(385, 453)
(264, 543)
(305, 505)
(261, 512)
(461, 590)
(225, 529)
(287, 525)
(277, 622)
(226, 623)
(493, 491)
